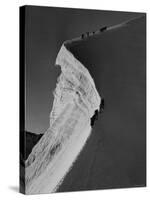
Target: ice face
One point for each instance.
(75, 102)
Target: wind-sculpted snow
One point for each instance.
(75, 102)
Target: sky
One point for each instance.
(46, 29)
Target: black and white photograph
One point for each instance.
(74, 100)
(82, 99)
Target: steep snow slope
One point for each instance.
(75, 102)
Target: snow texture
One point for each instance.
(75, 102)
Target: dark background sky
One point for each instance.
(46, 29)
